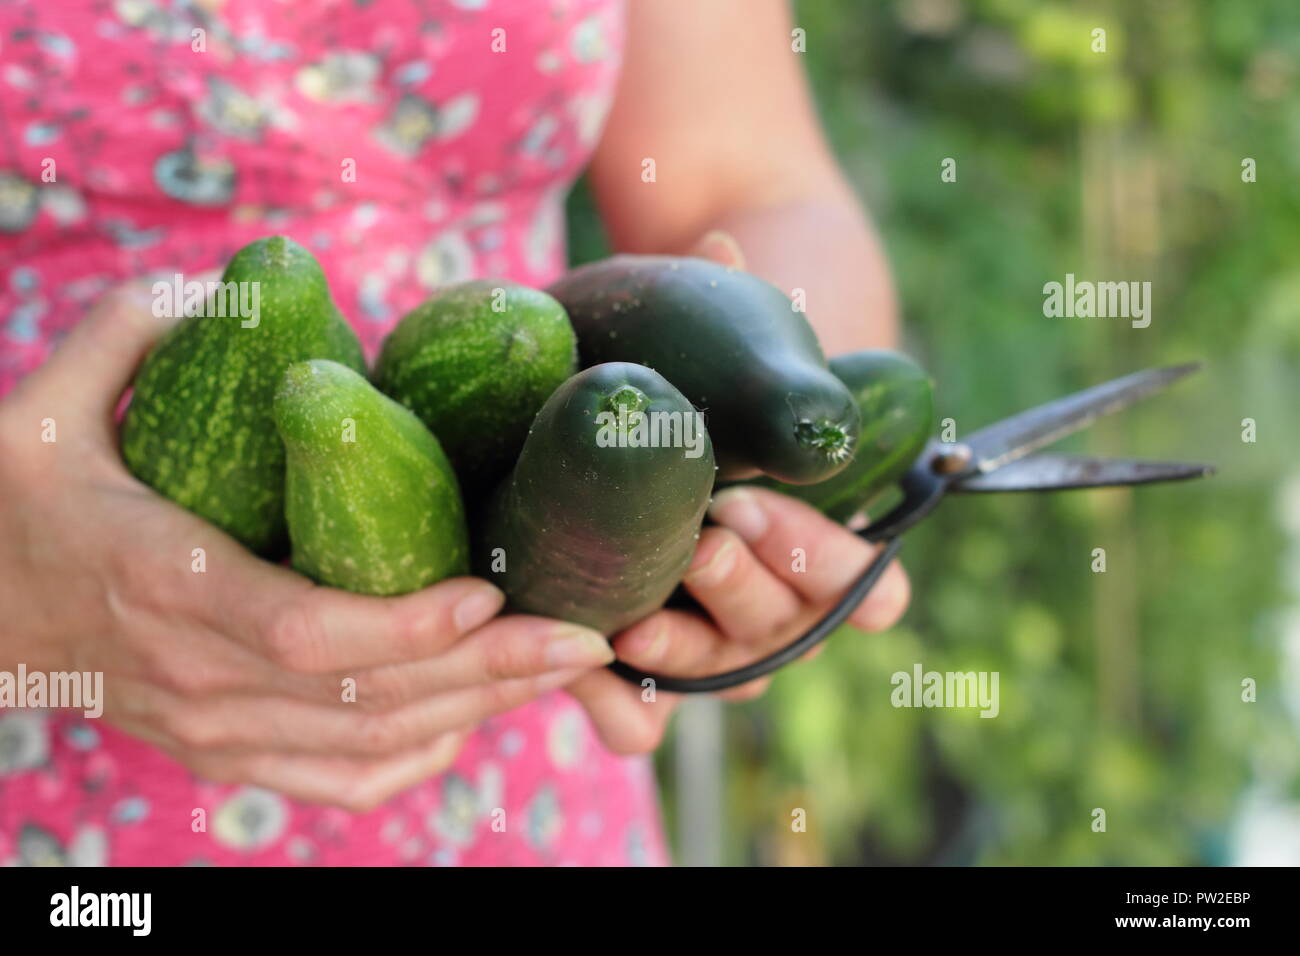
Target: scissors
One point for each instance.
(1001, 457)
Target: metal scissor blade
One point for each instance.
(1048, 471)
(1017, 436)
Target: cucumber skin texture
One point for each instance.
(734, 346)
(199, 429)
(896, 401)
(478, 377)
(596, 536)
(378, 515)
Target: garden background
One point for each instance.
(1120, 690)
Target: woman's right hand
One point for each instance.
(239, 671)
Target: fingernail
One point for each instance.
(577, 647)
(722, 248)
(477, 607)
(737, 509)
(716, 567)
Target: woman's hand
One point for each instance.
(771, 568)
(243, 670)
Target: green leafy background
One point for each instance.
(1120, 690)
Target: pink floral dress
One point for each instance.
(409, 144)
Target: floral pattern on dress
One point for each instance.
(159, 136)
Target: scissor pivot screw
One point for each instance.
(952, 459)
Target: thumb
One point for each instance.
(95, 362)
(721, 247)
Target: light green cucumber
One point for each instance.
(372, 503)
(476, 362)
(199, 428)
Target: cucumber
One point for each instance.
(895, 399)
(199, 428)
(735, 347)
(588, 528)
(476, 362)
(371, 500)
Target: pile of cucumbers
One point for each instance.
(563, 444)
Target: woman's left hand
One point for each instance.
(771, 568)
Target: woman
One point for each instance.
(410, 145)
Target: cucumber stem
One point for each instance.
(627, 398)
(826, 436)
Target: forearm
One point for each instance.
(732, 130)
(825, 247)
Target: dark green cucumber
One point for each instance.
(476, 362)
(735, 347)
(896, 402)
(588, 528)
(199, 427)
(371, 500)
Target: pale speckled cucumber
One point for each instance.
(586, 528)
(372, 502)
(476, 362)
(895, 399)
(199, 427)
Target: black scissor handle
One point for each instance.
(792, 651)
(923, 487)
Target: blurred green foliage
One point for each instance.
(1119, 690)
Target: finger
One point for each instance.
(678, 643)
(206, 665)
(357, 786)
(721, 247)
(93, 365)
(250, 724)
(749, 691)
(628, 719)
(310, 629)
(506, 648)
(746, 600)
(887, 602)
(273, 612)
(681, 644)
(811, 553)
